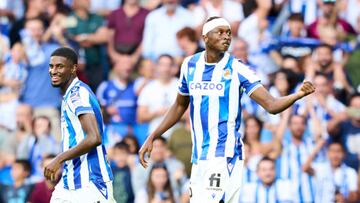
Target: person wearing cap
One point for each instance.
(211, 82)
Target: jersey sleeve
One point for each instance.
(248, 79)
(80, 101)
(182, 82)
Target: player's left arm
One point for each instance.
(276, 105)
(92, 140)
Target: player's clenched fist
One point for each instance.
(306, 88)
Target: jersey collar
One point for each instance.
(72, 84)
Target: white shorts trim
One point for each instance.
(89, 194)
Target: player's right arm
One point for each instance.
(91, 140)
(172, 116)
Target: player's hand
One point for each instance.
(146, 148)
(306, 88)
(51, 170)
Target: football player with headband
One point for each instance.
(212, 83)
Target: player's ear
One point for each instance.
(205, 38)
(74, 68)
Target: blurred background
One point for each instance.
(130, 53)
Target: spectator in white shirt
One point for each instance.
(268, 189)
(161, 26)
(336, 182)
(157, 96)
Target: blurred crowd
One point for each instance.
(130, 53)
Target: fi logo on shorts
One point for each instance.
(215, 180)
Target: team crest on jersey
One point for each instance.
(227, 74)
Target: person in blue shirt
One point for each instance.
(118, 98)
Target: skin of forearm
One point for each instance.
(278, 105)
(83, 147)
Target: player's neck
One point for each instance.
(213, 56)
(66, 86)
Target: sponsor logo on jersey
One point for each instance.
(207, 88)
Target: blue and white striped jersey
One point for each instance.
(215, 111)
(90, 167)
(290, 167)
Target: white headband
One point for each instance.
(214, 24)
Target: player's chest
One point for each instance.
(210, 83)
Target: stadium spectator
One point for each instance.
(57, 13)
(89, 34)
(293, 42)
(256, 148)
(133, 158)
(146, 74)
(158, 187)
(161, 94)
(268, 188)
(322, 61)
(284, 83)
(345, 127)
(254, 30)
(335, 181)
(33, 9)
(324, 105)
(10, 145)
(188, 42)
(180, 143)
(10, 10)
(229, 10)
(126, 25)
(34, 148)
(161, 26)
(20, 190)
(122, 174)
(329, 17)
(12, 77)
(42, 191)
(38, 80)
(159, 154)
(118, 98)
(293, 156)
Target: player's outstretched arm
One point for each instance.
(92, 140)
(172, 116)
(276, 105)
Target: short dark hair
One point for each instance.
(166, 56)
(25, 164)
(296, 17)
(324, 45)
(354, 95)
(161, 139)
(336, 143)
(67, 53)
(212, 18)
(265, 158)
(122, 146)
